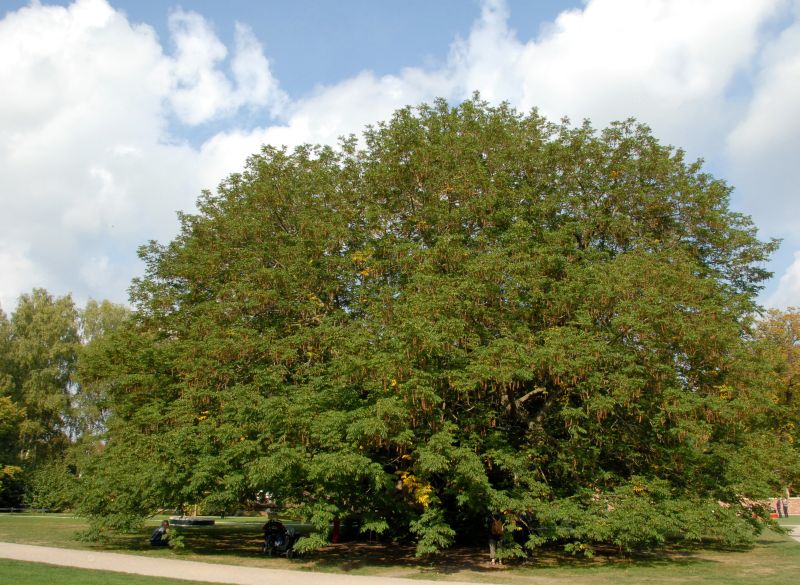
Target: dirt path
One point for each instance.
(176, 569)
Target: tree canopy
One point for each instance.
(44, 412)
(469, 311)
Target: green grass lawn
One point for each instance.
(790, 521)
(40, 574)
(774, 560)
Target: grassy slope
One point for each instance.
(775, 559)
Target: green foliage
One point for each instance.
(10, 417)
(90, 401)
(42, 349)
(777, 341)
(378, 526)
(432, 531)
(46, 416)
(38, 346)
(176, 540)
(52, 486)
(477, 312)
(639, 515)
(11, 485)
(309, 543)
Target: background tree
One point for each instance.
(10, 419)
(97, 320)
(54, 484)
(778, 336)
(477, 312)
(43, 351)
(38, 346)
(781, 330)
(43, 410)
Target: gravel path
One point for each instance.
(208, 572)
(176, 569)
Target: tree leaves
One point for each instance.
(478, 311)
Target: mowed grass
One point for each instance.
(774, 560)
(40, 574)
(228, 538)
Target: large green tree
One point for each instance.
(471, 311)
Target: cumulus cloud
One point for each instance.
(80, 85)
(329, 113)
(764, 146)
(19, 273)
(91, 170)
(201, 91)
(669, 63)
(788, 292)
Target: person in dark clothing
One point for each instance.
(274, 534)
(160, 536)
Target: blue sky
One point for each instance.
(313, 42)
(115, 114)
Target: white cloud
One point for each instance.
(764, 146)
(96, 271)
(201, 91)
(669, 63)
(323, 117)
(90, 171)
(19, 273)
(77, 82)
(788, 291)
(255, 85)
(84, 155)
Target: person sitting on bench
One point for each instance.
(160, 536)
